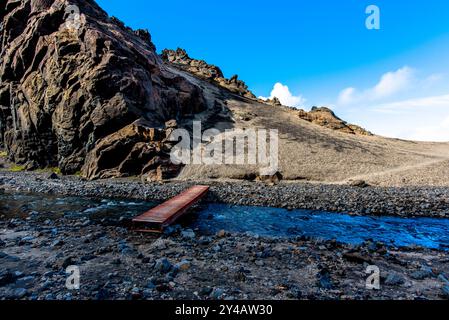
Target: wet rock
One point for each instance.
(188, 234)
(324, 279)
(67, 262)
(6, 277)
(103, 294)
(445, 292)
(25, 282)
(184, 265)
(221, 234)
(216, 294)
(394, 279)
(422, 274)
(19, 293)
(136, 294)
(53, 176)
(163, 265)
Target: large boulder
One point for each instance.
(72, 84)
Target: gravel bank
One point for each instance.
(115, 263)
(392, 201)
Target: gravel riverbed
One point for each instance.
(390, 201)
(117, 263)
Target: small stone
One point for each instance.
(163, 265)
(216, 293)
(6, 278)
(25, 282)
(184, 265)
(394, 279)
(421, 274)
(221, 234)
(445, 292)
(67, 262)
(53, 176)
(19, 293)
(359, 184)
(188, 234)
(136, 294)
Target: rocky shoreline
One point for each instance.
(117, 263)
(376, 201)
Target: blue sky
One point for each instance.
(321, 50)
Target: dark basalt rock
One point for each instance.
(67, 83)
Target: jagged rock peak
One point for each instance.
(200, 68)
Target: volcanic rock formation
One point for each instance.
(203, 70)
(73, 86)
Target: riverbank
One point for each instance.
(385, 201)
(116, 263)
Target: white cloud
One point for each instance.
(390, 84)
(282, 92)
(424, 119)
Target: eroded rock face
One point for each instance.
(72, 87)
(135, 150)
(180, 59)
(325, 117)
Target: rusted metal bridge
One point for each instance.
(160, 217)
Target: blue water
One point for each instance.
(424, 232)
(271, 222)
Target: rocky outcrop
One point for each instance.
(80, 86)
(274, 102)
(180, 59)
(135, 150)
(325, 117)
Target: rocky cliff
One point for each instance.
(73, 80)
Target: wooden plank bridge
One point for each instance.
(160, 217)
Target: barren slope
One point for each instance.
(313, 153)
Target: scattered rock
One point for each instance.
(188, 234)
(184, 265)
(394, 279)
(359, 184)
(216, 294)
(163, 265)
(53, 176)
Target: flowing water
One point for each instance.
(425, 232)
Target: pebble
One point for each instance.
(216, 294)
(188, 234)
(19, 293)
(184, 265)
(163, 265)
(394, 279)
